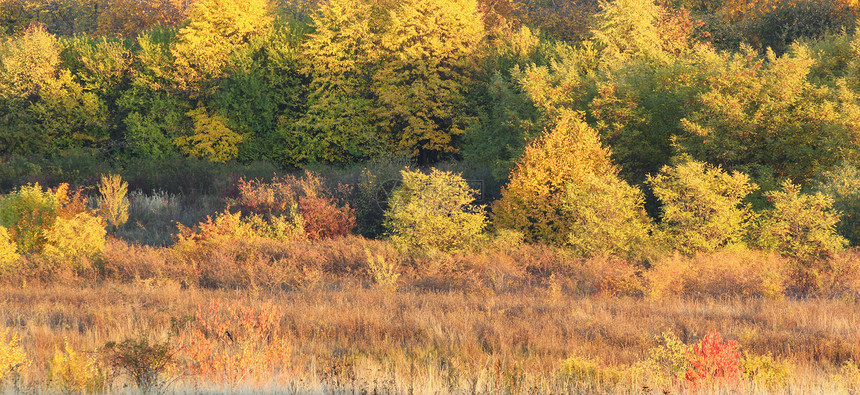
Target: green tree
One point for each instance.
(42, 107)
(433, 212)
(339, 125)
(606, 216)
(801, 226)
(762, 116)
(702, 206)
(842, 184)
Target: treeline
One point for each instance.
(769, 89)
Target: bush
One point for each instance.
(384, 272)
(765, 372)
(702, 207)
(235, 344)
(27, 212)
(72, 371)
(324, 219)
(606, 216)
(70, 240)
(714, 364)
(8, 251)
(668, 362)
(433, 212)
(297, 200)
(532, 202)
(12, 357)
(800, 226)
(147, 364)
(113, 205)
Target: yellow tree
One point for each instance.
(338, 124)
(535, 198)
(426, 60)
(217, 28)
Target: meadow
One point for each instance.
(346, 336)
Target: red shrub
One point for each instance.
(324, 219)
(714, 363)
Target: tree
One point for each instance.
(533, 200)
(762, 116)
(129, 18)
(426, 62)
(801, 226)
(702, 206)
(842, 184)
(216, 29)
(42, 107)
(339, 125)
(606, 217)
(433, 212)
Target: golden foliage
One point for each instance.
(8, 251)
(217, 28)
(13, 359)
(72, 239)
(72, 371)
(212, 139)
(532, 201)
(113, 205)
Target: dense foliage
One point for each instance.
(577, 117)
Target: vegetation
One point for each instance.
(482, 196)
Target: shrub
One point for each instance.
(72, 371)
(27, 212)
(278, 196)
(235, 344)
(113, 205)
(12, 357)
(384, 272)
(714, 363)
(532, 202)
(147, 364)
(765, 372)
(668, 361)
(324, 219)
(842, 184)
(70, 240)
(433, 212)
(8, 251)
(296, 200)
(606, 216)
(800, 226)
(702, 207)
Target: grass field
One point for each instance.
(347, 338)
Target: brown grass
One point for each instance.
(350, 337)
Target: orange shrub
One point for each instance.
(324, 219)
(236, 344)
(291, 197)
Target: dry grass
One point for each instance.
(348, 337)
